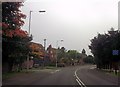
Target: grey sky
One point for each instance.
(74, 21)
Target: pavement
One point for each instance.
(82, 76)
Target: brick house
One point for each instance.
(37, 52)
(83, 55)
(51, 53)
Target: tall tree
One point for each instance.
(102, 46)
(89, 59)
(15, 40)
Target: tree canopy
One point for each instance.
(103, 45)
(15, 40)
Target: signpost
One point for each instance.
(116, 53)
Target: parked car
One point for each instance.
(61, 65)
(36, 65)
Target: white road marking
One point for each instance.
(55, 71)
(78, 79)
(79, 82)
(93, 67)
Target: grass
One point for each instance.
(115, 74)
(112, 73)
(8, 75)
(50, 67)
(45, 67)
(12, 74)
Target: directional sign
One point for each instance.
(115, 52)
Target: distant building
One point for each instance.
(30, 64)
(51, 53)
(83, 55)
(37, 52)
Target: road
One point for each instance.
(73, 75)
(91, 76)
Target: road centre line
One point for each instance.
(79, 83)
(78, 79)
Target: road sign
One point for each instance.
(115, 52)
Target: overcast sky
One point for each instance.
(74, 21)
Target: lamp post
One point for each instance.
(44, 52)
(57, 52)
(30, 21)
(30, 15)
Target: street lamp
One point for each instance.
(44, 52)
(30, 15)
(30, 21)
(57, 52)
(42, 11)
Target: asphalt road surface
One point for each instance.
(73, 75)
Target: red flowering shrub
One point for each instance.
(15, 33)
(0, 24)
(3, 25)
(20, 33)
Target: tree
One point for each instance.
(102, 46)
(15, 40)
(36, 50)
(73, 56)
(61, 53)
(89, 59)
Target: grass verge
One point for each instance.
(112, 72)
(24, 71)
(12, 74)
